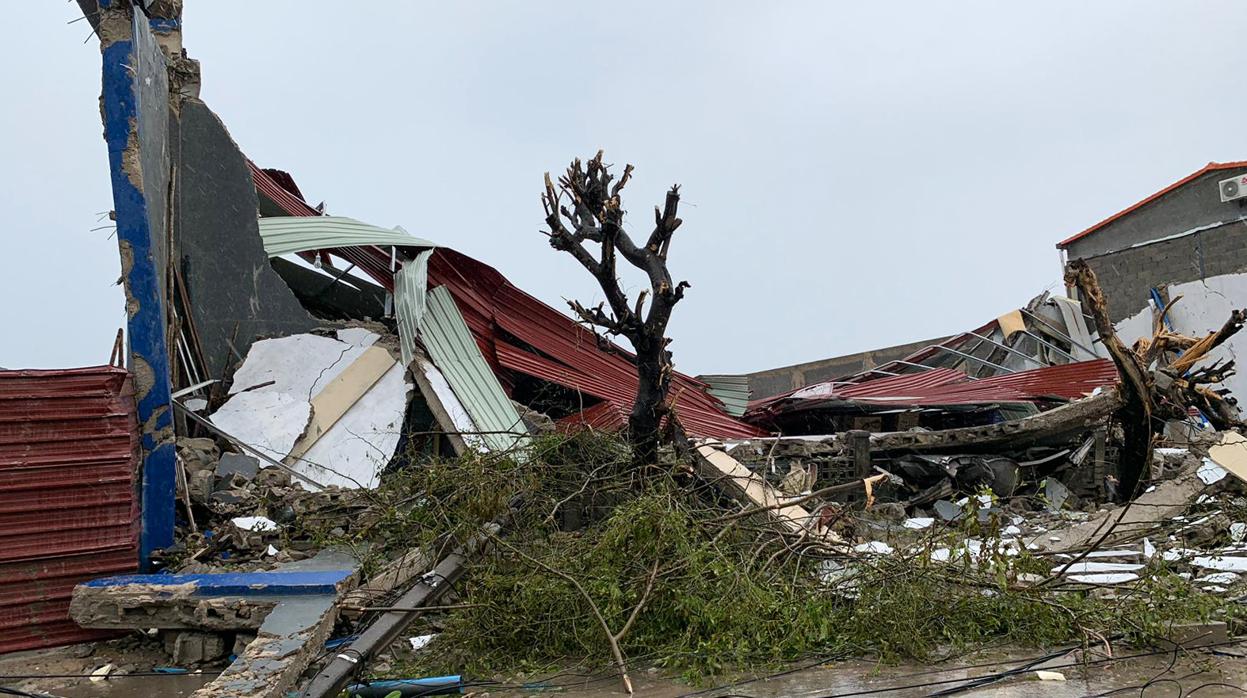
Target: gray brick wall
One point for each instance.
(780, 380)
(1195, 204)
(1128, 275)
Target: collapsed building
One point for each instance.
(273, 346)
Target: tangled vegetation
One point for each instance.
(588, 544)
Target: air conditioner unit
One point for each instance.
(1233, 188)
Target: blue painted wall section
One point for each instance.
(236, 583)
(135, 112)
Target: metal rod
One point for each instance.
(336, 279)
(1011, 350)
(192, 388)
(245, 446)
(910, 363)
(973, 358)
(1050, 345)
(1058, 333)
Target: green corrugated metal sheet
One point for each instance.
(410, 282)
(455, 353)
(287, 234)
(732, 391)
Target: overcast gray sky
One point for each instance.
(854, 175)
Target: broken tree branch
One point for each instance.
(1135, 386)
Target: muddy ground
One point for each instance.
(1155, 675)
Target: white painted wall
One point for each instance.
(1204, 308)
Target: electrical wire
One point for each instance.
(945, 682)
(10, 691)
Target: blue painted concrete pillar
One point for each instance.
(135, 107)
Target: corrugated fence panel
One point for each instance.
(68, 512)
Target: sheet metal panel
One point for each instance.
(410, 299)
(454, 352)
(291, 234)
(946, 387)
(68, 511)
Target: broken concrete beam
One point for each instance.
(292, 610)
(1072, 417)
(292, 635)
(1146, 513)
(232, 601)
(190, 647)
(717, 467)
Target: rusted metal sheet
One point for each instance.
(946, 387)
(68, 512)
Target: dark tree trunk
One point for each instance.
(595, 214)
(649, 408)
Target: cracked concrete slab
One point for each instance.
(274, 398)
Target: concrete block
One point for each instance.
(234, 463)
(189, 648)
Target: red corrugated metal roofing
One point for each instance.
(1210, 167)
(68, 513)
(946, 387)
(553, 347)
(604, 416)
(517, 332)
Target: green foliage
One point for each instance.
(726, 594)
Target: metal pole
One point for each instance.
(378, 636)
(1050, 345)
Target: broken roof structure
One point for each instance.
(526, 343)
(1032, 358)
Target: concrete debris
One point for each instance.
(232, 464)
(331, 410)
(188, 648)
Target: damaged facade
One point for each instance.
(283, 360)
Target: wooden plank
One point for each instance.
(717, 467)
(339, 395)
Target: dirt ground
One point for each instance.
(1217, 673)
(63, 670)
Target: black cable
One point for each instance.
(1056, 666)
(1001, 676)
(10, 691)
(1217, 684)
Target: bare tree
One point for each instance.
(593, 212)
